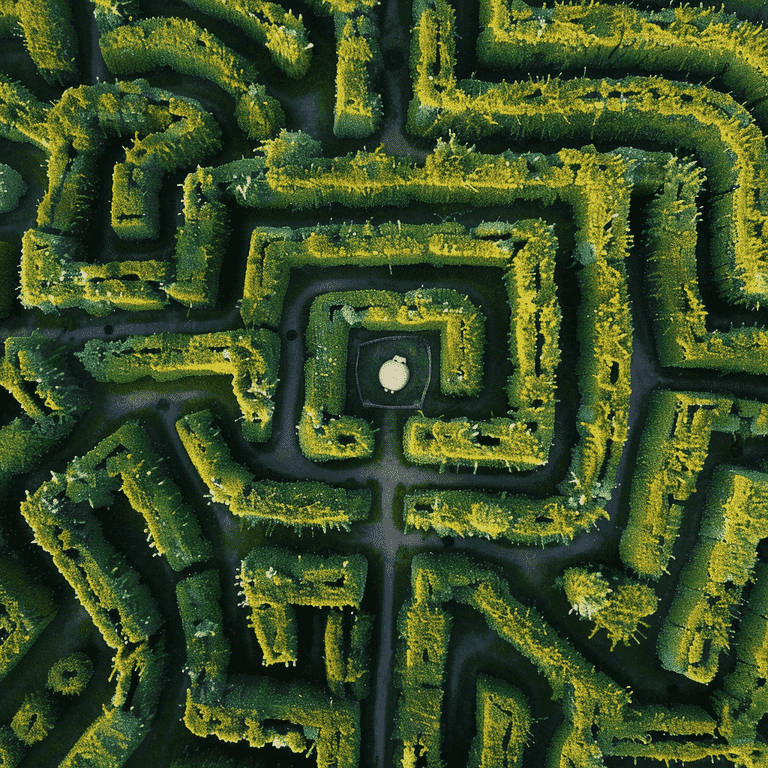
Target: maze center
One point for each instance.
(383, 384)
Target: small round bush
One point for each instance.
(12, 188)
(71, 674)
(34, 718)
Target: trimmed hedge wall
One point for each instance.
(35, 371)
(633, 109)
(250, 357)
(673, 448)
(323, 430)
(185, 47)
(698, 626)
(300, 504)
(275, 580)
(171, 132)
(27, 609)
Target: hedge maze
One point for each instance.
(382, 383)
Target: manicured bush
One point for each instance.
(170, 132)
(518, 519)
(347, 652)
(27, 609)
(300, 504)
(208, 652)
(184, 46)
(109, 741)
(358, 110)
(50, 38)
(274, 581)
(323, 432)
(616, 604)
(503, 725)
(35, 371)
(698, 627)
(70, 675)
(691, 116)
(12, 188)
(34, 718)
(250, 357)
(281, 32)
(673, 448)
(308, 720)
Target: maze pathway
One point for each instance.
(229, 539)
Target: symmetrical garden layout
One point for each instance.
(544, 544)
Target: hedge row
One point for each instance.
(274, 581)
(283, 34)
(686, 39)
(49, 36)
(322, 429)
(12, 189)
(495, 442)
(171, 132)
(200, 243)
(250, 357)
(26, 610)
(119, 604)
(673, 448)
(503, 725)
(22, 117)
(347, 645)
(90, 565)
(616, 604)
(634, 109)
(300, 504)
(298, 716)
(743, 700)
(357, 111)
(682, 337)
(424, 626)
(698, 626)
(55, 275)
(521, 520)
(126, 462)
(35, 372)
(187, 48)
(208, 652)
(598, 187)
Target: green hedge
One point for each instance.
(171, 132)
(424, 628)
(71, 674)
(12, 188)
(275, 580)
(597, 186)
(633, 109)
(673, 448)
(309, 719)
(35, 371)
(518, 519)
(187, 48)
(503, 725)
(324, 433)
(347, 651)
(250, 357)
(34, 718)
(300, 504)
(617, 604)
(27, 609)
(283, 34)
(49, 36)
(698, 626)
(208, 653)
